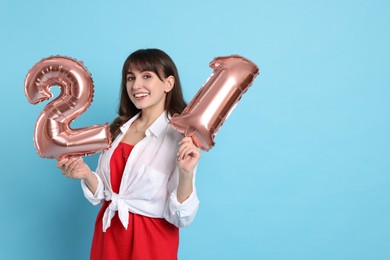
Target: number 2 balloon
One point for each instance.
(213, 103)
(53, 136)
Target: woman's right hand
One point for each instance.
(74, 167)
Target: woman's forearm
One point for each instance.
(185, 187)
(92, 182)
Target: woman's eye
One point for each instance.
(147, 76)
(130, 78)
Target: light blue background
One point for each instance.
(300, 169)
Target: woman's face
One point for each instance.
(146, 90)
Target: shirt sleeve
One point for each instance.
(180, 214)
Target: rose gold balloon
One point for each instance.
(207, 111)
(53, 136)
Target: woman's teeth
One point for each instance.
(140, 95)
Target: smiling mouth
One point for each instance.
(141, 95)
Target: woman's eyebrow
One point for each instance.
(141, 71)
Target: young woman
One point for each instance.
(146, 180)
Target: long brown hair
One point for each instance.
(159, 62)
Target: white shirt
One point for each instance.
(150, 179)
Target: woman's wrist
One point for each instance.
(186, 174)
(91, 181)
(89, 176)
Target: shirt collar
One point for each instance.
(155, 128)
(159, 124)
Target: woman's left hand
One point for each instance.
(188, 155)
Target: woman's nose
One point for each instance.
(137, 83)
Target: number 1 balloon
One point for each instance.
(213, 103)
(53, 137)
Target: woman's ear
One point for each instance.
(169, 84)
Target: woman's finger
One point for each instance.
(69, 162)
(65, 172)
(190, 151)
(74, 164)
(61, 162)
(184, 147)
(185, 139)
(181, 148)
(186, 151)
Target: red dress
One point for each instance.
(145, 238)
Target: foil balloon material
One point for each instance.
(215, 100)
(53, 136)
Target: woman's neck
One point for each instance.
(148, 116)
